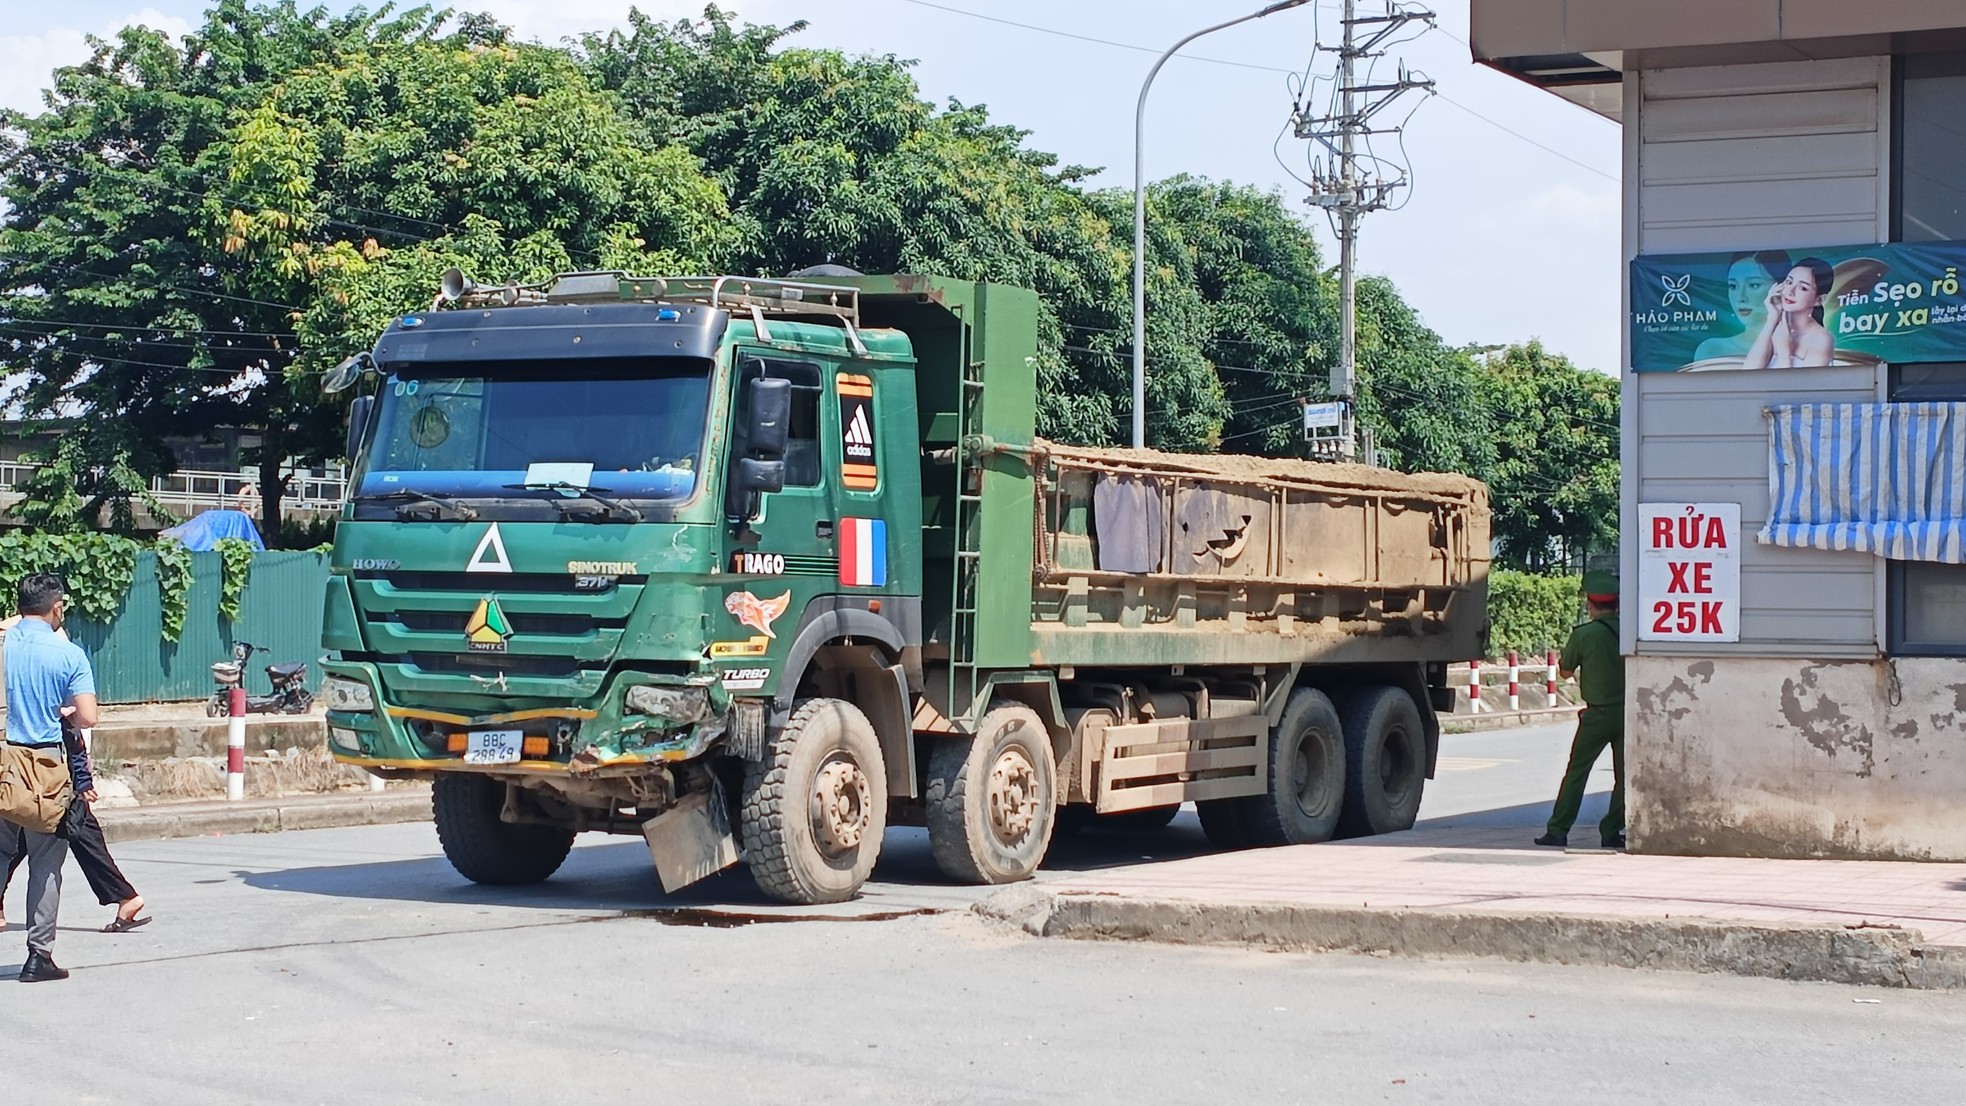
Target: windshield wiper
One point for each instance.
(609, 507)
(463, 512)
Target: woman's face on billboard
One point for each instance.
(1747, 290)
(1799, 291)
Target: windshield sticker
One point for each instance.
(429, 426)
(490, 554)
(863, 552)
(746, 679)
(859, 461)
(755, 647)
(487, 630)
(758, 613)
(579, 474)
(758, 564)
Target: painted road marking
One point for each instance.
(1468, 764)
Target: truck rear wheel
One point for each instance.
(815, 808)
(484, 849)
(992, 800)
(1221, 822)
(1386, 749)
(1307, 776)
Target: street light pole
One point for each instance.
(1140, 216)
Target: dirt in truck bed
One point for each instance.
(1237, 466)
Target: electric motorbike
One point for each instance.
(288, 678)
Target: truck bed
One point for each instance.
(1148, 558)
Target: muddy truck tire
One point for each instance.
(815, 808)
(1306, 789)
(1386, 755)
(993, 799)
(484, 849)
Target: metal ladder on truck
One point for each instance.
(966, 565)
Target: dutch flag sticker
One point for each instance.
(863, 553)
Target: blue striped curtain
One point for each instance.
(1883, 478)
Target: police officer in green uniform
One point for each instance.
(1592, 653)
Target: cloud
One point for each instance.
(28, 61)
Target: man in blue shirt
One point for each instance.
(44, 674)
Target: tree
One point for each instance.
(1555, 477)
(196, 228)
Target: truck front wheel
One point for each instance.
(1387, 753)
(992, 800)
(815, 808)
(484, 849)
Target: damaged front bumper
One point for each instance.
(638, 720)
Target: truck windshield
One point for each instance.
(632, 429)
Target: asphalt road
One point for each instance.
(353, 966)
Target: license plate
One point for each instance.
(493, 746)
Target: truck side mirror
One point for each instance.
(770, 405)
(755, 476)
(358, 424)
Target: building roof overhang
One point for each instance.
(1581, 49)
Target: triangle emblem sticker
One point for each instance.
(490, 555)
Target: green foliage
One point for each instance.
(1530, 613)
(1555, 474)
(238, 568)
(173, 585)
(303, 534)
(98, 568)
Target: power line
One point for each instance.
(1091, 38)
(131, 277)
(1247, 65)
(1547, 149)
(176, 331)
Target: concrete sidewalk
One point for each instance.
(1481, 891)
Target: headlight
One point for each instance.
(678, 704)
(347, 740)
(351, 696)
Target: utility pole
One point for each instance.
(1344, 191)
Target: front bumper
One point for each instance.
(595, 736)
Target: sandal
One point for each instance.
(122, 926)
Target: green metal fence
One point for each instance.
(281, 610)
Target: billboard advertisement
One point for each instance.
(1899, 303)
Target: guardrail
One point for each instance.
(1478, 670)
(190, 491)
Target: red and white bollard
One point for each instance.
(1515, 683)
(1474, 687)
(235, 746)
(1549, 677)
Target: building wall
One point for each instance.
(1743, 756)
(1786, 743)
(1747, 158)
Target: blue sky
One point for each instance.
(1505, 237)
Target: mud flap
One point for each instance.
(691, 840)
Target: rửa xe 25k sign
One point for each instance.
(1689, 572)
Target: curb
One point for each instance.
(300, 812)
(1800, 952)
(1481, 723)
(120, 740)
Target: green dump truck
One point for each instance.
(760, 567)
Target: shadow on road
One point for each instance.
(618, 875)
